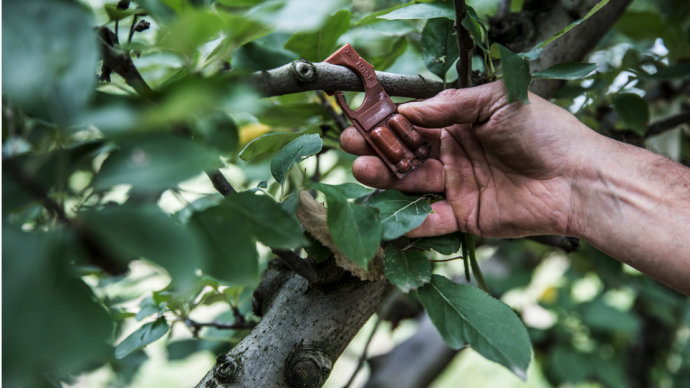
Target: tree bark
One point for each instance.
(302, 76)
(303, 331)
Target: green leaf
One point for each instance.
(474, 28)
(316, 250)
(568, 71)
(422, 11)
(317, 45)
(356, 229)
(291, 114)
(640, 25)
(142, 337)
(463, 314)
(255, 56)
(218, 130)
(445, 245)
(50, 317)
(232, 228)
(572, 25)
(633, 110)
(439, 46)
(146, 308)
(49, 58)
(131, 232)
(238, 30)
(495, 51)
(601, 317)
(353, 190)
(374, 16)
(408, 270)
(384, 62)
(399, 213)
(295, 152)
(156, 163)
(190, 30)
(273, 142)
(515, 75)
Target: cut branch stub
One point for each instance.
(307, 367)
(227, 369)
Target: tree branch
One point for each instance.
(340, 121)
(298, 265)
(239, 324)
(220, 183)
(666, 124)
(302, 76)
(567, 244)
(539, 20)
(96, 253)
(465, 46)
(120, 62)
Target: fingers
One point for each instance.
(441, 221)
(372, 171)
(456, 106)
(354, 143)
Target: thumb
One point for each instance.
(456, 106)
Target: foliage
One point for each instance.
(99, 179)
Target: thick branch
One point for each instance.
(465, 46)
(539, 20)
(303, 331)
(574, 45)
(302, 76)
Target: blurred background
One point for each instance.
(593, 321)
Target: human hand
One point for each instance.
(507, 170)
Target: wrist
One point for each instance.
(589, 186)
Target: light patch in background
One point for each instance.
(619, 84)
(586, 288)
(469, 369)
(622, 299)
(546, 275)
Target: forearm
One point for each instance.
(635, 205)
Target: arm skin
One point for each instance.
(514, 170)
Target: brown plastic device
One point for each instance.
(393, 137)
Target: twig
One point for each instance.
(363, 357)
(465, 46)
(120, 62)
(664, 125)
(239, 324)
(131, 29)
(97, 254)
(338, 119)
(220, 183)
(445, 260)
(568, 244)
